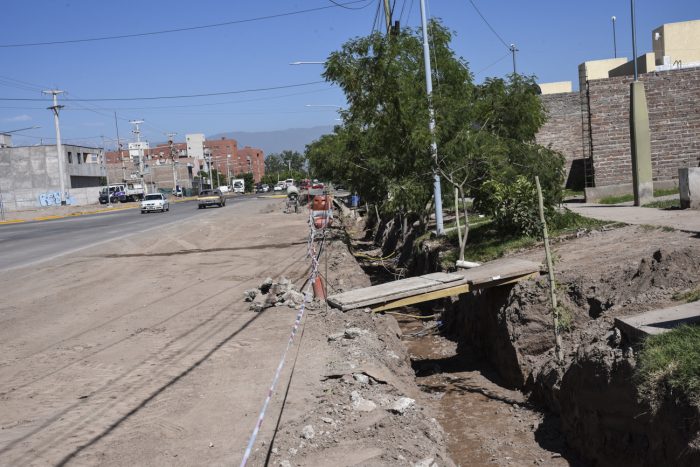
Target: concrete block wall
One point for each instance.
(28, 199)
(673, 99)
(563, 132)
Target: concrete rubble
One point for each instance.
(271, 293)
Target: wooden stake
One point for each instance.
(550, 270)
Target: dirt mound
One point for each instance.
(361, 403)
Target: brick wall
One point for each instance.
(673, 100)
(563, 132)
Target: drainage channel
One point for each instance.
(485, 423)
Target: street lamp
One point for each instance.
(308, 63)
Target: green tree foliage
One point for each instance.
(382, 149)
(281, 162)
(248, 182)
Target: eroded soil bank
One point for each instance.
(601, 275)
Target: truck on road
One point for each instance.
(124, 192)
(238, 185)
(210, 198)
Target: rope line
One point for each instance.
(311, 252)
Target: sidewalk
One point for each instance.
(687, 219)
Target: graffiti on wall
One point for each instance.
(53, 198)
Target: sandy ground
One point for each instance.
(141, 352)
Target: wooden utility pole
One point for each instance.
(387, 15)
(550, 271)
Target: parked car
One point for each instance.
(265, 187)
(281, 186)
(210, 198)
(154, 202)
(224, 189)
(178, 191)
(113, 195)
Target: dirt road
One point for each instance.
(141, 351)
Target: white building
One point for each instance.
(195, 145)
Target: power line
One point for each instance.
(182, 96)
(191, 28)
(489, 25)
(492, 64)
(350, 8)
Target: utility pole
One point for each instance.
(228, 171)
(387, 15)
(137, 132)
(513, 49)
(172, 159)
(207, 154)
(431, 124)
(59, 148)
(104, 161)
(119, 148)
(614, 37)
(634, 40)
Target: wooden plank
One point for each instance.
(392, 290)
(658, 321)
(421, 288)
(500, 269)
(426, 297)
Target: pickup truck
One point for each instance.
(210, 198)
(154, 202)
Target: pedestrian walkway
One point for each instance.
(686, 219)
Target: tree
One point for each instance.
(382, 148)
(283, 161)
(248, 182)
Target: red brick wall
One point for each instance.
(673, 100)
(563, 132)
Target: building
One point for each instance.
(677, 44)
(252, 160)
(591, 127)
(30, 177)
(195, 145)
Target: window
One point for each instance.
(70, 157)
(77, 156)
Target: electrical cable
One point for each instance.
(341, 5)
(492, 64)
(191, 28)
(182, 96)
(489, 25)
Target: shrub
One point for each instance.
(513, 206)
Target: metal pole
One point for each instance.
(104, 160)
(137, 132)
(634, 41)
(228, 170)
(614, 37)
(59, 147)
(119, 148)
(211, 180)
(172, 159)
(513, 49)
(431, 124)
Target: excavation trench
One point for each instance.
(490, 372)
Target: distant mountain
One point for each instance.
(295, 139)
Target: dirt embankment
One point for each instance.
(360, 404)
(600, 276)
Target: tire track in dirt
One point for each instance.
(122, 406)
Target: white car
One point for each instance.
(154, 202)
(281, 186)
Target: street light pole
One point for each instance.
(634, 41)
(207, 153)
(614, 37)
(228, 170)
(104, 161)
(59, 148)
(137, 132)
(172, 160)
(431, 124)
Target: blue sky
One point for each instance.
(553, 37)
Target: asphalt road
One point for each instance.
(29, 243)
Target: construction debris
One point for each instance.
(274, 294)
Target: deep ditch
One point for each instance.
(491, 372)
